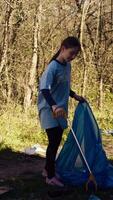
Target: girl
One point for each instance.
(54, 92)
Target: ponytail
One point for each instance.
(55, 55)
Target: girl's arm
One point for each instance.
(47, 95)
(72, 93)
(57, 111)
(77, 97)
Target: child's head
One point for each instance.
(69, 49)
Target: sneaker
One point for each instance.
(54, 181)
(44, 174)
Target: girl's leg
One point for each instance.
(54, 138)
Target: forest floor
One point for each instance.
(21, 179)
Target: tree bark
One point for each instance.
(30, 88)
(4, 65)
(100, 93)
(6, 37)
(84, 14)
(84, 81)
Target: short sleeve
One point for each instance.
(48, 77)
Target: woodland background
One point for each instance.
(30, 33)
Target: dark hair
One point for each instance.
(69, 42)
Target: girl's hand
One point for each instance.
(58, 112)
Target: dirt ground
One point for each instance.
(13, 164)
(22, 174)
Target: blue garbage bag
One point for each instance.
(70, 164)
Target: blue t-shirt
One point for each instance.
(56, 78)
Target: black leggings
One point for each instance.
(54, 138)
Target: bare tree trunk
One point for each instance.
(8, 89)
(6, 38)
(101, 93)
(97, 53)
(32, 76)
(84, 81)
(96, 41)
(84, 14)
(4, 57)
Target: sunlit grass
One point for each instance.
(19, 130)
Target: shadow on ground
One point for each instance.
(21, 174)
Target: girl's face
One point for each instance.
(69, 54)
